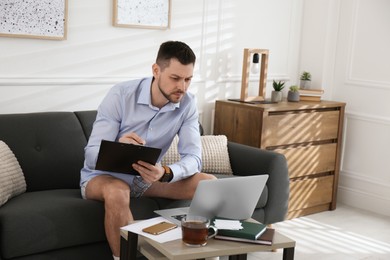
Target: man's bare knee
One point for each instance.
(203, 176)
(107, 188)
(207, 176)
(195, 179)
(117, 192)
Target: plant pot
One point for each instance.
(293, 96)
(305, 84)
(276, 96)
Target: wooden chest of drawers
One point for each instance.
(307, 133)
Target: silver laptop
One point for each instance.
(233, 198)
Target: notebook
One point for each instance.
(118, 157)
(265, 239)
(250, 230)
(232, 198)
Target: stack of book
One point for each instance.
(251, 232)
(310, 94)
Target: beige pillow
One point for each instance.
(215, 156)
(12, 180)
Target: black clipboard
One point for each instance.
(118, 157)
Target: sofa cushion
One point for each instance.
(49, 147)
(86, 118)
(215, 156)
(36, 222)
(46, 220)
(95, 251)
(12, 182)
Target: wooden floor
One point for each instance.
(345, 233)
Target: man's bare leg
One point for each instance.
(183, 189)
(115, 194)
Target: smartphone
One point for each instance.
(159, 228)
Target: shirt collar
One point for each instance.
(145, 97)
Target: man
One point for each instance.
(148, 111)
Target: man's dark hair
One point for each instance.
(177, 50)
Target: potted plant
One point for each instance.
(293, 94)
(276, 95)
(305, 80)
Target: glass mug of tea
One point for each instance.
(195, 230)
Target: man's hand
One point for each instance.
(132, 138)
(149, 172)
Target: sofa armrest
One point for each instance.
(246, 160)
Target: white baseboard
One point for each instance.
(364, 200)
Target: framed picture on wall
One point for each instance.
(43, 19)
(150, 14)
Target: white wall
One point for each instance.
(43, 75)
(345, 44)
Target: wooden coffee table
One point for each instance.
(176, 249)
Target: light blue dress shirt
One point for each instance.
(127, 108)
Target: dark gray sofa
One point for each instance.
(52, 221)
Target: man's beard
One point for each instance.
(168, 96)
